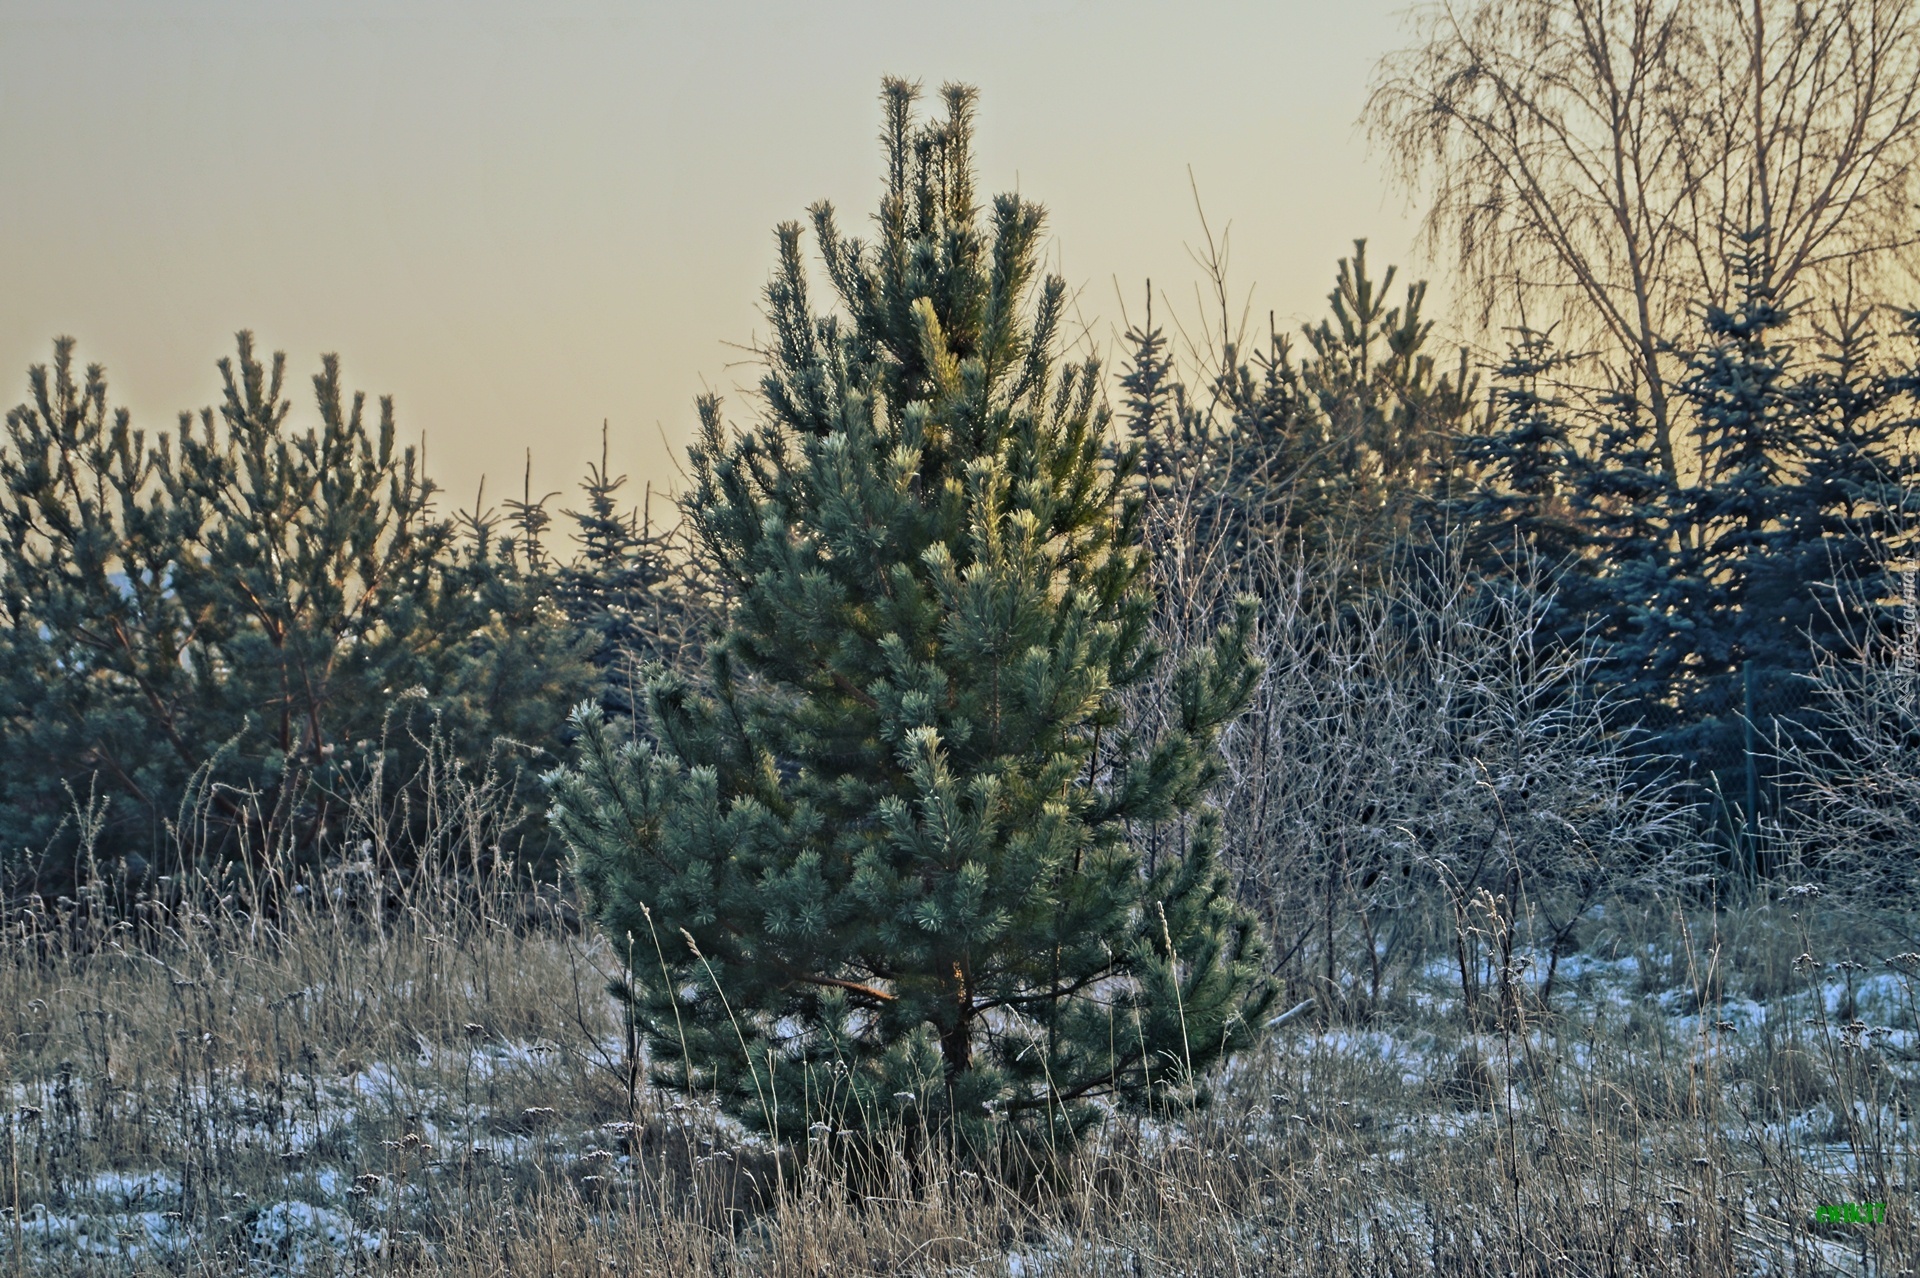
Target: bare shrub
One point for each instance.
(1423, 764)
(1857, 782)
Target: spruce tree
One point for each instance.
(1735, 606)
(1520, 464)
(1708, 602)
(1155, 412)
(881, 869)
(1856, 498)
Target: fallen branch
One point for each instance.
(1291, 1014)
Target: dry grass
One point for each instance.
(441, 1085)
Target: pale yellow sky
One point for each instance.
(521, 219)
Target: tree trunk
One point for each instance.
(956, 1047)
(956, 1037)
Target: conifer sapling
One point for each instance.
(882, 867)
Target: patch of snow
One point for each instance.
(300, 1236)
(378, 1081)
(124, 1234)
(134, 1189)
(1355, 1044)
(1885, 999)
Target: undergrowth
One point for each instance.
(427, 1077)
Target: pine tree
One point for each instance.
(1342, 452)
(225, 625)
(629, 590)
(882, 869)
(1390, 414)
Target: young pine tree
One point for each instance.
(628, 590)
(883, 870)
(1344, 453)
(205, 636)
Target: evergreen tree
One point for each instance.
(500, 663)
(1520, 465)
(1708, 601)
(1621, 595)
(1271, 472)
(1856, 495)
(1342, 452)
(1390, 416)
(1156, 414)
(1735, 608)
(629, 591)
(883, 868)
(209, 635)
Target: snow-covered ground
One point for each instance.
(364, 1157)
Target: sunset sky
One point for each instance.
(521, 219)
